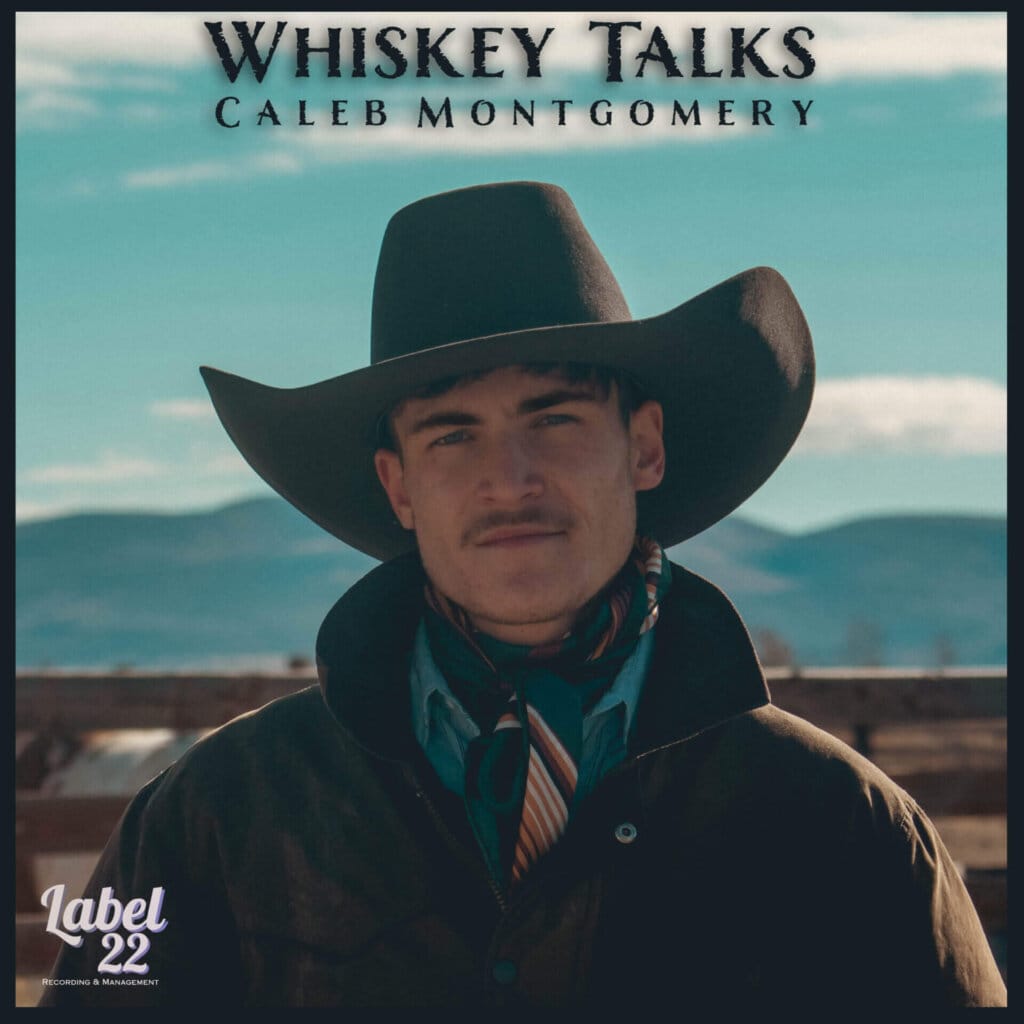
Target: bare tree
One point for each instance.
(773, 650)
(865, 643)
(943, 650)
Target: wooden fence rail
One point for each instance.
(76, 703)
(856, 702)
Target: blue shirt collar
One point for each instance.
(429, 685)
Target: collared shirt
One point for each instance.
(444, 728)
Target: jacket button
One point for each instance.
(504, 972)
(626, 832)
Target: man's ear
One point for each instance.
(392, 478)
(647, 446)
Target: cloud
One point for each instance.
(183, 409)
(202, 171)
(141, 82)
(227, 463)
(898, 45)
(183, 174)
(906, 415)
(148, 112)
(55, 101)
(502, 128)
(357, 142)
(108, 468)
(851, 44)
(35, 72)
(136, 38)
(213, 457)
(25, 511)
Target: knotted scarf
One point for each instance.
(529, 703)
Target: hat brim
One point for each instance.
(733, 369)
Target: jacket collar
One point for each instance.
(704, 668)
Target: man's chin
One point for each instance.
(520, 608)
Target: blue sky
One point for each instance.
(151, 240)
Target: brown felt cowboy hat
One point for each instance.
(507, 274)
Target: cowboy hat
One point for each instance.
(506, 274)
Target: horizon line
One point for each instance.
(827, 523)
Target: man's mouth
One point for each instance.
(502, 528)
(517, 536)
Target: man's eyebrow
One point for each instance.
(442, 418)
(458, 418)
(556, 397)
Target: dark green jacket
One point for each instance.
(308, 856)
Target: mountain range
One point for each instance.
(246, 586)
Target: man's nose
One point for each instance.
(510, 472)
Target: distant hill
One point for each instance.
(900, 590)
(248, 585)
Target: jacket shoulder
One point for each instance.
(268, 747)
(894, 858)
(283, 720)
(810, 759)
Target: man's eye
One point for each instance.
(455, 437)
(555, 418)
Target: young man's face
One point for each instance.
(521, 489)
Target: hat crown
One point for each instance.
(487, 260)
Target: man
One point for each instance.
(541, 767)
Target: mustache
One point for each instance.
(549, 519)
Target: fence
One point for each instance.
(857, 705)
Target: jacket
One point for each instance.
(739, 858)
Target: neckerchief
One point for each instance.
(529, 703)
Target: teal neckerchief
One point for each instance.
(561, 681)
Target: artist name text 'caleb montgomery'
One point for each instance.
(394, 51)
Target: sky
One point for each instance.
(150, 239)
